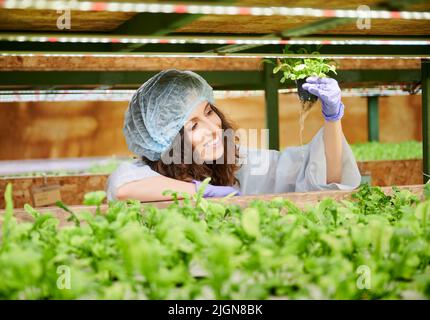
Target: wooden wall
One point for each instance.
(81, 129)
(66, 129)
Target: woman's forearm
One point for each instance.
(151, 189)
(333, 150)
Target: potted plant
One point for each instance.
(298, 69)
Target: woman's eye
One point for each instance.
(209, 112)
(194, 126)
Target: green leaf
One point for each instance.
(94, 198)
(422, 212)
(427, 191)
(277, 68)
(172, 193)
(198, 196)
(271, 249)
(298, 68)
(9, 220)
(251, 222)
(72, 217)
(31, 211)
(203, 204)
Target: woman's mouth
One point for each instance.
(214, 143)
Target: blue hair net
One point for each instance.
(159, 109)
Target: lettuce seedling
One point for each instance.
(298, 69)
(270, 249)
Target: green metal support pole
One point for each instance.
(373, 118)
(425, 83)
(271, 84)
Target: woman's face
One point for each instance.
(204, 129)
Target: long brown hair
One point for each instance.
(222, 174)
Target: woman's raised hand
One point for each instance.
(328, 90)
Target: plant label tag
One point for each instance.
(46, 195)
(366, 178)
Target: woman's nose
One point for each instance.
(211, 127)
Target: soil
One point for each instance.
(306, 98)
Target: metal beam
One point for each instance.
(240, 80)
(373, 118)
(96, 42)
(218, 79)
(49, 47)
(355, 50)
(425, 83)
(151, 24)
(271, 83)
(394, 76)
(395, 5)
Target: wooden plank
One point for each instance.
(393, 172)
(265, 25)
(40, 63)
(301, 199)
(74, 187)
(379, 64)
(327, 4)
(318, 26)
(37, 20)
(244, 24)
(46, 20)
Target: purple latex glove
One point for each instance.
(216, 191)
(327, 89)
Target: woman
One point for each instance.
(181, 138)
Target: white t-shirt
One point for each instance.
(296, 169)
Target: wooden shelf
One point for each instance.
(74, 187)
(300, 199)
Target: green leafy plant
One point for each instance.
(204, 249)
(301, 68)
(298, 69)
(369, 151)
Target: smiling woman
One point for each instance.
(181, 138)
(203, 140)
(204, 131)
